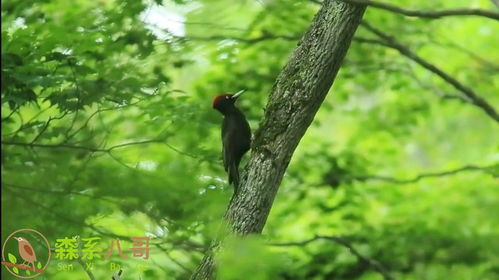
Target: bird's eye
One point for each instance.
(226, 97)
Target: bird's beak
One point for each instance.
(237, 94)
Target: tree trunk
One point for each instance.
(296, 96)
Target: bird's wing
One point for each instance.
(28, 250)
(226, 151)
(225, 142)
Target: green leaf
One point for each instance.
(28, 272)
(16, 270)
(12, 258)
(39, 265)
(12, 59)
(56, 56)
(83, 70)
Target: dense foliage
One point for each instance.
(108, 130)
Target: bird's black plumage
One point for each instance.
(236, 135)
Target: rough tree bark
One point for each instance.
(294, 100)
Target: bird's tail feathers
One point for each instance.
(233, 176)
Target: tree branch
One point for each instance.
(488, 65)
(96, 149)
(172, 259)
(267, 36)
(295, 98)
(425, 175)
(84, 267)
(46, 125)
(391, 42)
(50, 191)
(428, 14)
(345, 243)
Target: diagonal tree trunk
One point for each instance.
(296, 96)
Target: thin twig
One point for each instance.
(421, 176)
(70, 146)
(47, 123)
(49, 191)
(342, 241)
(10, 114)
(98, 111)
(78, 95)
(88, 271)
(264, 37)
(165, 251)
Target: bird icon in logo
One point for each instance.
(26, 251)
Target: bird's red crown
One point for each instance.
(220, 97)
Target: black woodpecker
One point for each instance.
(236, 134)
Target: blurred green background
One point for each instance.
(108, 131)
